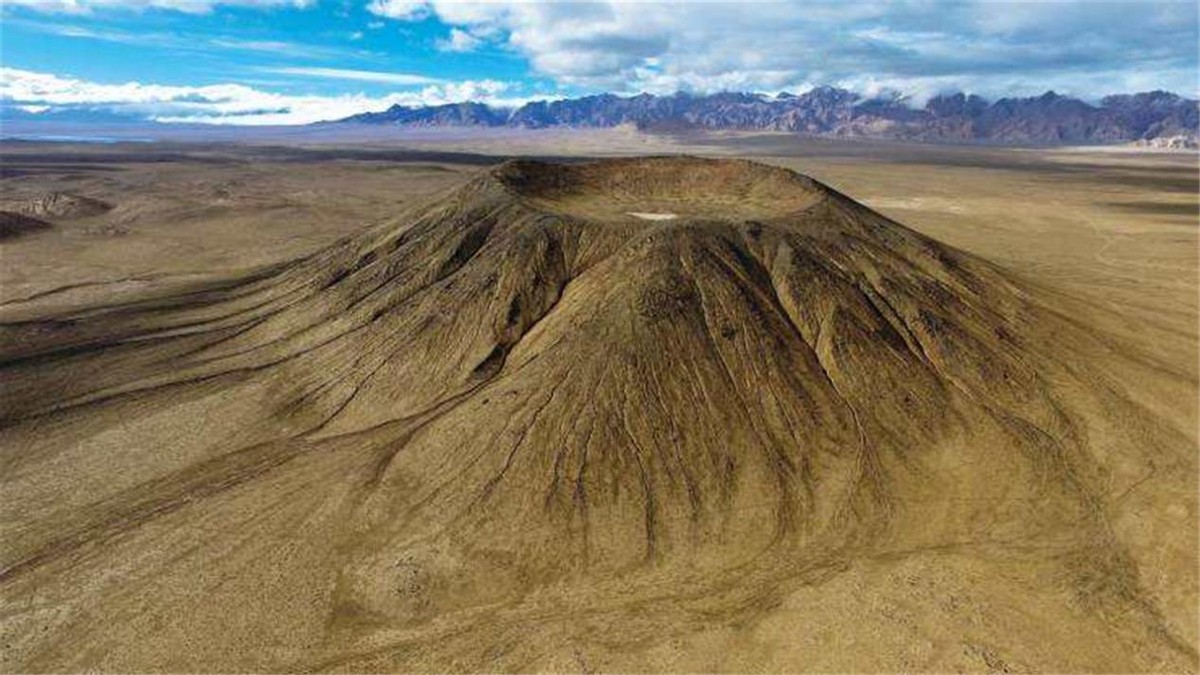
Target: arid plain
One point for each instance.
(405, 406)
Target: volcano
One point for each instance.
(639, 414)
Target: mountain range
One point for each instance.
(1156, 118)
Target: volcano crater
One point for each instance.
(661, 188)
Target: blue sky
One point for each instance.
(293, 61)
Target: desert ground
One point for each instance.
(410, 405)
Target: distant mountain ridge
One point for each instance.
(1151, 118)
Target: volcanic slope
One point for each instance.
(523, 429)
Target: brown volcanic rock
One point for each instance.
(57, 206)
(13, 225)
(523, 429)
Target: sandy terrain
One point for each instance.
(380, 409)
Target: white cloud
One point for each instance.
(406, 10)
(474, 90)
(401, 79)
(459, 41)
(987, 46)
(186, 43)
(187, 6)
(225, 103)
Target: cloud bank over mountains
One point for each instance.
(918, 48)
(38, 93)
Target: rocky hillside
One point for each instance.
(453, 114)
(1152, 118)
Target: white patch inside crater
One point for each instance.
(653, 216)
